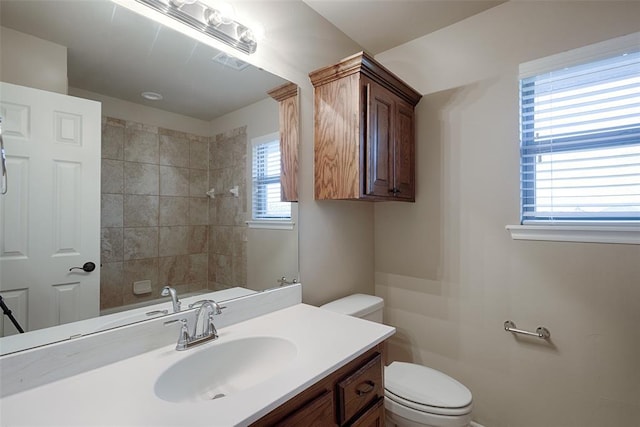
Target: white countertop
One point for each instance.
(122, 394)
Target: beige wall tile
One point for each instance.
(112, 142)
(174, 151)
(174, 240)
(112, 176)
(140, 225)
(111, 279)
(198, 239)
(198, 272)
(198, 287)
(221, 240)
(199, 155)
(174, 210)
(141, 178)
(141, 146)
(239, 265)
(239, 242)
(213, 265)
(224, 270)
(140, 211)
(111, 244)
(140, 242)
(174, 181)
(174, 270)
(198, 211)
(198, 183)
(220, 154)
(137, 270)
(112, 210)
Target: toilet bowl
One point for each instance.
(415, 395)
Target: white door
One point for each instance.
(50, 215)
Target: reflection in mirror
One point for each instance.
(171, 202)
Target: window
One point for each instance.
(266, 180)
(580, 136)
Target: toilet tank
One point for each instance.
(367, 307)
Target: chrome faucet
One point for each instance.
(187, 339)
(169, 291)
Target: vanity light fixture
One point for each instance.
(217, 22)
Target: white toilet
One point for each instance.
(415, 396)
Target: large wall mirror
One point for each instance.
(175, 193)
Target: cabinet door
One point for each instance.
(404, 152)
(379, 136)
(373, 417)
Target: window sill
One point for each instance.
(272, 224)
(622, 234)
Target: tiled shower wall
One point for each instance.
(154, 211)
(227, 213)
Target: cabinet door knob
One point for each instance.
(365, 387)
(394, 191)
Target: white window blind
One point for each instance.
(267, 202)
(580, 141)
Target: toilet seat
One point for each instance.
(426, 390)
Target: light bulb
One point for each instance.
(180, 3)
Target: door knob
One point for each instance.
(87, 266)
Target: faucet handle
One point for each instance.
(183, 338)
(210, 329)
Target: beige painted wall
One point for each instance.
(450, 273)
(29, 61)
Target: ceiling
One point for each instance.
(379, 25)
(115, 52)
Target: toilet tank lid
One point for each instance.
(357, 305)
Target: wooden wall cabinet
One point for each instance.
(364, 139)
(351, 396)
(287, 97)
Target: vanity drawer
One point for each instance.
(359, 388)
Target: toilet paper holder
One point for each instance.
(541, 332)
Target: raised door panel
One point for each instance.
(337, 139)
(289, 149)
(379, 140)
(288, 108)
(404, 152)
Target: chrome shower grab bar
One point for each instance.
(541, 332)
(3, 160)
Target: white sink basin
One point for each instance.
(224, 368)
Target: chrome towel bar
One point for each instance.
(541, 332)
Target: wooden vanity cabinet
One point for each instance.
(288, 112)
(353, 395)
(364, 132)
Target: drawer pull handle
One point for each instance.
(365, 387)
